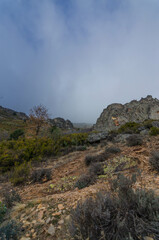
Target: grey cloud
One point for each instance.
(77, 63)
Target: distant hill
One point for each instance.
(9, 113)
(82, 125)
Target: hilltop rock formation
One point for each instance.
(9, 113)
(61, 123)
(117, 114)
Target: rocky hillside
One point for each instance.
(9, 113)
(117, 114)
(61, 123)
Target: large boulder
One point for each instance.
(117, 114)
(61, 123)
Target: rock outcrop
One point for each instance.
(9, 113)
(117, 114)
(61, 123)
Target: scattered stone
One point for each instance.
(60, 206)
(40, 215)
(39, 206)
(48, 220)
(148, 238)
(51, 230)
(61, 222)
(67, 218)
(25, 238)
(56, 214)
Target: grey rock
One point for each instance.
(51, 230)
(61, 123)
(155, 124)
(144, 132)
(121, 138)
(117, 114)
(97, 137)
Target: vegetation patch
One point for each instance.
(154, 160)
(154, 131)
(16, 152)
(129, 127)
(10, 231)
(134, 140)
(41, 175)
(65, 184)
(85, 180)
(127, 214)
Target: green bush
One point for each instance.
(41, 175)
(85, 180)
(10, 198)
(129, 127)
(34, 149)
(16, 134)
(154, 160)
(21, 173)
(3, 210)
(126, 215)
(154, 131)
(113, 150)
(134, 140)
(10, 231)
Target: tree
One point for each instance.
(39, 116)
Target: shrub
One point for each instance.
(26, 150)
(3, 210)
(10, 231)
(154, 131)
(21, 173)
(96, 169)
(126, 215)
(89, 159)
(129, 127)
(134, 140)
(85, 180)
(16, 134)
(113, 150)
(10, 198)
(154, 160)
(81, 148)
(41, 175)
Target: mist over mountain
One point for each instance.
(76, 57)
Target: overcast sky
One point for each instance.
(77, 56)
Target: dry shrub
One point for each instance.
(126, 215)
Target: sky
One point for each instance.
(77, 56)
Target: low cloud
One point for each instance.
(77, 58)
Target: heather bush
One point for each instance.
(113, 150)
(129, 127)
(154, 131)
(96, 169)
(85, 180)
(10, 231)
(10, 198)
(3, 210)
(134, 140)
(21, 173)
(154, 160)
(89, 159)
(26, 150)
(16, 134)
(41, 175)
(125, 215)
